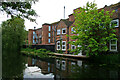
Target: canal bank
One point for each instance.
(69, 55)
(55, 55)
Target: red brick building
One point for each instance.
(35, 36)
(53, 34)
(62, 31)
(114, 45)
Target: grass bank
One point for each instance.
(42, 53)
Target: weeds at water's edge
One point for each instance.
(42, 53)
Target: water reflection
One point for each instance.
(38, 69)
(60, 69)
(13, 64)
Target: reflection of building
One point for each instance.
(55, 33)
(46, 67)
(71, 68)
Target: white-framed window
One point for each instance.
(49, 28)
(48, 40)
(58, 32)
(115, 22)
(72, 30)
(58, 45)
(73, 46)
(63, 30)
(113, 45)
(80, 53)
(63, 45)
(48, 34)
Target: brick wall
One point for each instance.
(71, 17)
(30, 36)
(39, 34)
(63, 25)
(45, 33)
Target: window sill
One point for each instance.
(63, 33)
(63, 49)
(113, 51)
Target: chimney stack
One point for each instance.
(64, 12)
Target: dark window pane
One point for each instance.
(63, 47)
(63, 43)
(113, 41)
(64, 31)
(113, 47)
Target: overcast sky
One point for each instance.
(53, 10)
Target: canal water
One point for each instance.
(26, 68)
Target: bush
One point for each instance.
(60, 51)
(34, 52)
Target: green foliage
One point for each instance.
(93, 29)
(13, 33)
(39, 52)
(60, 51)
(21, 9)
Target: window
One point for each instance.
(64, 31)
(48, 34)
(63, 65)
(80, 53)
(58, 32)
(40, 36)
(72, 30)
(49, 28)
(113, 45)
(58, 45)
(48, 40)
(102, 25)
(33, 37)
(63, 45)
(52, 27)
(115, 23)
(34, 32)
(73, 46)
(33, 41)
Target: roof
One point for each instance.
(112, 6)
(46, 24)
(115, 5)
(67, 22)
(70, 14)
(55, 23)
(39, 28)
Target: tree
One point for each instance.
(92, 29)
(13, 33)
(21, 9)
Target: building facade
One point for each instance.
(56, 33)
